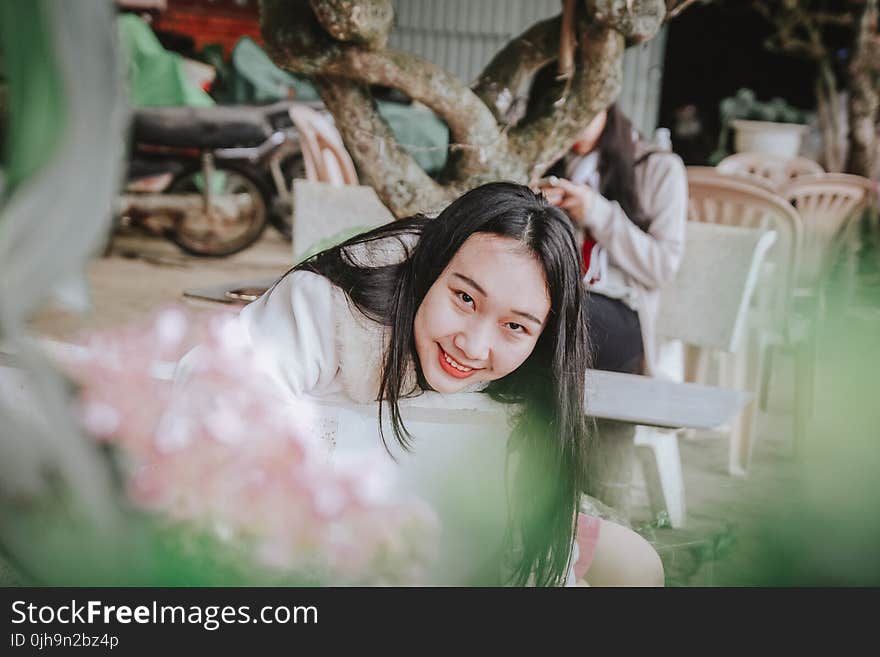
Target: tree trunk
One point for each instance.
(864, 104)
(341, 44)
(833, 144)
(864, 101)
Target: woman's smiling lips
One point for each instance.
(454, 368)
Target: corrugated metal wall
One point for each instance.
(463, 35)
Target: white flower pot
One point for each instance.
(782, 139)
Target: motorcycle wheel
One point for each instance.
(228, 230)
(281, 215)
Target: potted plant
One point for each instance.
(768, 127)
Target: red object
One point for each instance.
(222, 21)
(587, 251)
(594, 260)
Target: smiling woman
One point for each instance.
(482, 318)
(484, 297)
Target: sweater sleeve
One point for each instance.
(652, 258)
(293, 331)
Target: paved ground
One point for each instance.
(736, 526)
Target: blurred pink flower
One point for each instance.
(225, 454)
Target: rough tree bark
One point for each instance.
(342, 45)
(830, 119)
(864, 101)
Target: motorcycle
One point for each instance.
(211, 178)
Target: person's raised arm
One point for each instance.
(651, 257)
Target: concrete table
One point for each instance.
(661, 403)
(658, 408)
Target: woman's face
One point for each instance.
(589, 136)
(483, 315)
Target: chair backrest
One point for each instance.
(826, 204)
(707, 304)
(719, 199)
(324, 153)
(324, 213)
(754, 181)
(773, 169)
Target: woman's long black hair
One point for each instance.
(549, 439)
(617, 173)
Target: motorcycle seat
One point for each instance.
(201, 127)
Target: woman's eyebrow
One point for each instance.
(479, 289)
(471, 282)
(529, 317)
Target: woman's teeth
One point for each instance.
(460, 368)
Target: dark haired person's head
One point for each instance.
(612, 134)
(491, 293)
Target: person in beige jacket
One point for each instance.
(630, 198)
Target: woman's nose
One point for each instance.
(474, 343)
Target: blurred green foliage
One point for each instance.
(830, 534)
(33, 101)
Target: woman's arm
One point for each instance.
(292, 329)
(651, 258)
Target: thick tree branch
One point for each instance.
(292, 31)
(635, 20)
(675, 7)
(544, 135)
(398, 180)
(864, 102)
(567, 40)
(470, 121)
(363, 22)
(499, 82)
(340, 44)
(829, 120)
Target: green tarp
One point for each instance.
(35, 97)
(255, 78)
(156, 77)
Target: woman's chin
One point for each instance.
(445, 384)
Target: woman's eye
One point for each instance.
(513, 326)
(466, 298)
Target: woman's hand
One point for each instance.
(575, 199)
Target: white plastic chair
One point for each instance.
(827, 203)
(773, 170)
(717, 198)
(325, 212)
(325, 156)
(707, 306)
(720, 199)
